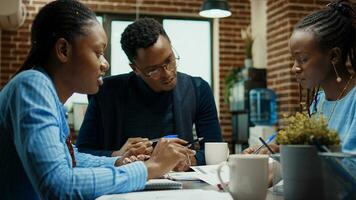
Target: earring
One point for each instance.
(338, 78)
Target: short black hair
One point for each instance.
(142, 33)
(59, 19)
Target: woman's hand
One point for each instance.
(167, 154)
(188, 161)
(135, 146)
(185, 165)
(264, 150)
(127, 158)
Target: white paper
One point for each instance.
(209, 173)
(196, 194)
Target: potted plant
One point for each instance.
(238, 74)
(246, 35)
(301, 165)
(230, 88)
(304, 130)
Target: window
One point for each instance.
(192, 40)
(119, 63)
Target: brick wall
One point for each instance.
(231, 53)
(15, 45)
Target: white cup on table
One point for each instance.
(248, 176)
(216, 152)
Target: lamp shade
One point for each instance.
(215, 9)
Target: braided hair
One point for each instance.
(142, 33)
(332, 27)
(59, 19)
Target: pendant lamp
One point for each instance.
(215, 9)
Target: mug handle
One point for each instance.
(224, 186)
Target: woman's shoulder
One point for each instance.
(353, 92)
(30, 82)
(349, 100)
(29, 88)
(30, 77)
(351, 96)
(26, 78)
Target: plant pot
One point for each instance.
(301, 172)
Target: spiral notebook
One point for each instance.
(162, 184)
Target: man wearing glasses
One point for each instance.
(151, 102)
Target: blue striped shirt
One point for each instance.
(35, 160)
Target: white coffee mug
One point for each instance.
(248, 176)
(216, 152)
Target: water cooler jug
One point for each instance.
(263, 114)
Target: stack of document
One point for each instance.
(183, 176)
(163, 184)
(206, 173)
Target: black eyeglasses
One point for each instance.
(170, 66)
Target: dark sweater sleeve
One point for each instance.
(88, 140)
(206, 121)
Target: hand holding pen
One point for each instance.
(265, 143)
(260, 150)
(190, 159)
(189, 144)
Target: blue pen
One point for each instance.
(166, 136)
(266, 145)
(170, 136)
(269, 139)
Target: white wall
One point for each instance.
(259, 31)
(216, 64)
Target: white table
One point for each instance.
(205, 186)
(192, 190)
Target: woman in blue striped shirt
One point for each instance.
(37, 159)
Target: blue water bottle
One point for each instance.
(263, 106)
